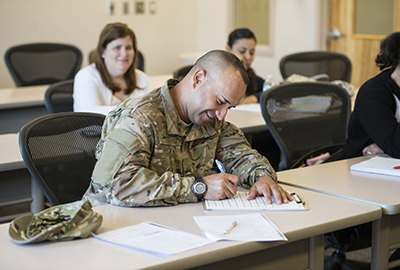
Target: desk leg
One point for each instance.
(380, 243)
(38, 198)
(316, 252)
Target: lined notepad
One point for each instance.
(379, 165)
(239, 202)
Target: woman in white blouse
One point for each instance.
(112, 77)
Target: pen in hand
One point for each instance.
(220, 166)
(230, 228)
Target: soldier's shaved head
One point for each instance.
(216, 62)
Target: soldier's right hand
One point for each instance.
(220, 186)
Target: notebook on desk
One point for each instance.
(379, 165)
(239, 202)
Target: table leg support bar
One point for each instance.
(380, 243)
(316, 251)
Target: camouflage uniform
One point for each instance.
(148, 156)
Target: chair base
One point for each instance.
(338, 261)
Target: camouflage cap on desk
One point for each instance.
(61, 222)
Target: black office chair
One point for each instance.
(59, 97)
(330, 66)
(345, 240)
(42, 63)
(306, 119)
(139, 59)
(59, 152)
(180, 73)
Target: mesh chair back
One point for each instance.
(59, 97)
(59, 152)
(305, 117)
(140, 61)
(336, 66)
(181, 72)
(42, 63)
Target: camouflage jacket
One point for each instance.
(147, 156)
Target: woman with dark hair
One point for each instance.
(374, 124)
(242, 42)
(112, 78)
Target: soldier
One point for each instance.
(159, 149)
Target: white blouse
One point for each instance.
(92, 95)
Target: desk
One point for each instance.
(19, 193)
(304, 230)
(157, 81)
(19, 105)
(249, 122)
(336, 179)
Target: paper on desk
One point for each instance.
(253, 107)
(250, 227)
(379, 165)
(154, 239)
(239, 202)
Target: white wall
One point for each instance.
(179, 26)
(161, 37)
(297, 28)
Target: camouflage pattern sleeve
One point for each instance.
(131, 170)
(239, 158)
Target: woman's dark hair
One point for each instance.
(389, 54)
(109, 33)
(239, 34)
(234, 36)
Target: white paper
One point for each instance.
(239, 202)
(253, 107)
(379, 165)
(154, 239)
(250, 227)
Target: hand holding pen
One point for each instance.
(220, 186)
(282, 196)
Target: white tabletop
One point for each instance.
(10, 157)
(326, 213)
(15, 97)
(336, 178)
(248, 118)
(157, 81)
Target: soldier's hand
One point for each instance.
(266, 186)
(220, 186)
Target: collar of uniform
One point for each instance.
(175, 125)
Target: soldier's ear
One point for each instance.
(198, 77)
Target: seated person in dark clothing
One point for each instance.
(374, 124)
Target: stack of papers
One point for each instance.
(379, 165)
(251, 227)
(154, 239)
